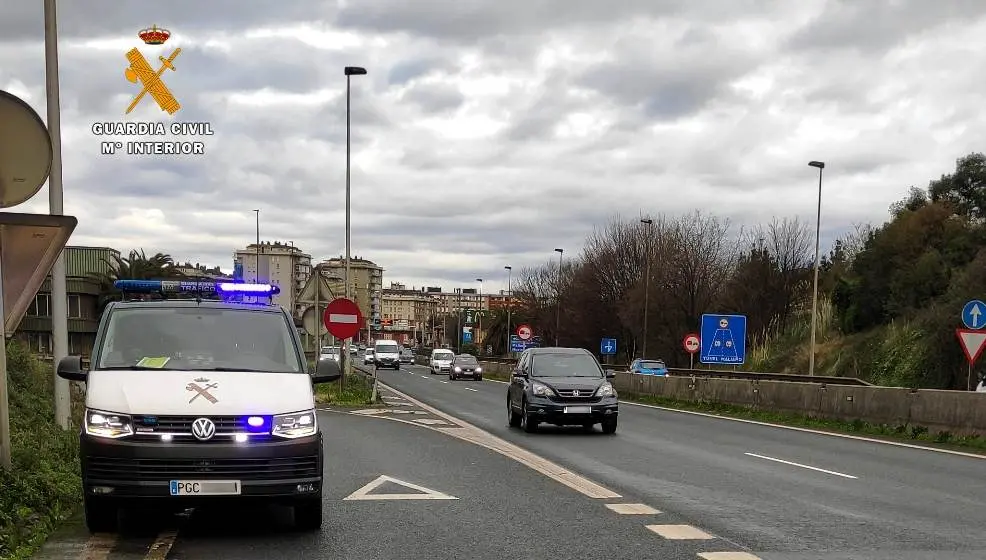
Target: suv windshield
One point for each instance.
(565, 365)
(200, 339)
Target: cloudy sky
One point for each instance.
(487, 132)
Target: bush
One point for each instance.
(44, 487)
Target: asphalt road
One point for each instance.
(501, 508)
(780, 493)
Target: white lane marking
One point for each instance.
(432, 421)
(98, 547)
(727, 556)
(811, 431)
(680, 532)
(369, 411)
(423, 493)
(826, 471)
(161, 546)
(423, 376)
(471, 389)
(632, 509)
(445, 382)
(467, 432)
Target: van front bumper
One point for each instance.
(269, 470)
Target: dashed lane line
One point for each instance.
(471, 389)
(727, 556)
(680, 532)
(632, 509)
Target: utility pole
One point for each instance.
(510, 305)
(814, 291)
(480, 340)
(558, 297)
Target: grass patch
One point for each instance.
(357, 391)
(44, 488)
(904, 433)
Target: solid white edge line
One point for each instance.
(793, 464)
(810, 431)
(797, 429)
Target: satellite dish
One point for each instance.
(25, 151)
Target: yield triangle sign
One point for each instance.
(420, 492)
(973, 342)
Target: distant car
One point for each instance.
(465, 365)
(386, 353)
(333, 352)
(407, 356)
(368, 356)
(441, 360)
(649, 367)
(353, 350)
(561, 386)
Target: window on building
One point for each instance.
(40, 307)
(41, 342)
(74, 306)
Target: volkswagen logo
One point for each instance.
(203, 429)
(576, 393)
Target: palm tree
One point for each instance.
(135, 266)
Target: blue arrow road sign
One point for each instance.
(974, 314)
(466, 336)
(723, 339)
(607, 346)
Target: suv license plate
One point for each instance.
(205, 487)
(578, 410)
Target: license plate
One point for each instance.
(578, 410)
(205, 487)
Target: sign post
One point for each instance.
(723, 339)
(692, 343)
(343, 319)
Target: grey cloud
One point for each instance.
(435, 98)
(408, 70)
(93, 18)
(874, 27)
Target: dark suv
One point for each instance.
(561, 386)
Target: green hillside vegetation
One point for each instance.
(890, 306)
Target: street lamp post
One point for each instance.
(647, 250)
(509, 305)
(558, 296)
(349, 71)
(257, 247)
(478, 341)
(820, 165)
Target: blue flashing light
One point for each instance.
(184, 287)
(257, 424)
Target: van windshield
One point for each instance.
(392, 348)
(444, 356)
(199, 339)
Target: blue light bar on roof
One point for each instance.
(183, 287)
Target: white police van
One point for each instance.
(198, 397)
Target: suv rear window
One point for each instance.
(200, 339)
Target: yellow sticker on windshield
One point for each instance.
(153, 362)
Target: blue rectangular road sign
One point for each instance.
(723, 339)
(518, 345)
(607, 346)
(466, 336)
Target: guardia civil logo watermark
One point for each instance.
(140, 138)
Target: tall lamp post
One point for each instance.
(510, 304)
(558, 296)
(349, 71)
(820, 165)
(648, 222)
(478, 341)
(257, 247)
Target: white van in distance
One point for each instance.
(441, 360)
(387, 353)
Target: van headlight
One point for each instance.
(606, 390)
(295, 425)
(108, 424)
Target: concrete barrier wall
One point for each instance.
(957, 412)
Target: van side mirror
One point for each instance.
(70, 367)
(327, 369)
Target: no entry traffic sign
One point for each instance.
(524, 332)
(691, 343)
(342, 318)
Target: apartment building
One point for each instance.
(277, 263)
(409, 313)
(201, 272)
(83, 268)
(366, 284)
(499, 300)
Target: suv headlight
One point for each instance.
(541, 390)
(606, 390)
(108, 424)
(295, 425)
